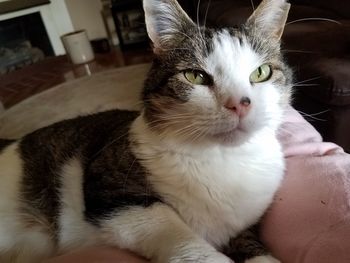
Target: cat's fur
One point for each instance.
(177, 182)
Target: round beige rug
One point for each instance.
(114, 89)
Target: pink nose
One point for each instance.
(241, 108)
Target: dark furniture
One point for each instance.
(317, 49)
(16, 5)
(130, 25)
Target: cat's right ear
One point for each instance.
(270, 18)
(167, 23)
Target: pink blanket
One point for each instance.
(309, 221)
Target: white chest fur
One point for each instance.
(218, 191)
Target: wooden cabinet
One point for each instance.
(130, 25)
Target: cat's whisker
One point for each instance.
(206, 14)
(192, 135)
(176, 116)
(297, 51)
(307, 80)
(127, 175)
(183, 129)
(162, 120)
(201, 134)
(311, 116)
(195, 137)
(197, 14)
(314, 19)
(172, 49)
(253, 6)
(161, 127)
(201, 38)
(182, 33)
(314, 114)
(187, 130)
(198, 24)
(110, 144)
(306, 85)
(319, 113)
(188, 133)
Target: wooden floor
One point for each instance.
(21, 84)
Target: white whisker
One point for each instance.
(127, 175)
(206, 14)
(319, 113)
(313, 19)
(297, 51)
(182, 33)
(307, 80)
(111, 143)
(306, 85)
(311, 116)
(253, 6)
(172, 49)
(198, 23)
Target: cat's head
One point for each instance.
(215, 85)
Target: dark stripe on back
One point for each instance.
(115, 180)
(112, 177)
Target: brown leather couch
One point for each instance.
(317, 49)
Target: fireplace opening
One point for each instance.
(23, 41)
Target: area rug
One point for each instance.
(116, 88)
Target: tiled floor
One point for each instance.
(21, 84)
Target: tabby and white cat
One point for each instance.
(177, 182)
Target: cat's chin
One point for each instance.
(231, 138)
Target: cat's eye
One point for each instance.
(261, 74)
(197, 77)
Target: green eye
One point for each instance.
(197, 77)
(261, 74)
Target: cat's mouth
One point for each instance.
(233, 136)
(238, 129)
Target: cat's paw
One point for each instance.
(263, 259)
(215, 257)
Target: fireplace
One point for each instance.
(23, 41)
(30, 30)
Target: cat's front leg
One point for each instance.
(158, 233)
(247, 248)
(263, 259)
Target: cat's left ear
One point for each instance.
(270, 18)
(167, 23)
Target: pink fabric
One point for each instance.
(309, 221)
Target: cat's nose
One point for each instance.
(240, 108)
(245, 101)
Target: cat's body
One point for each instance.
(215, 190)
(177, 181)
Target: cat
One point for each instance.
(179, 181)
